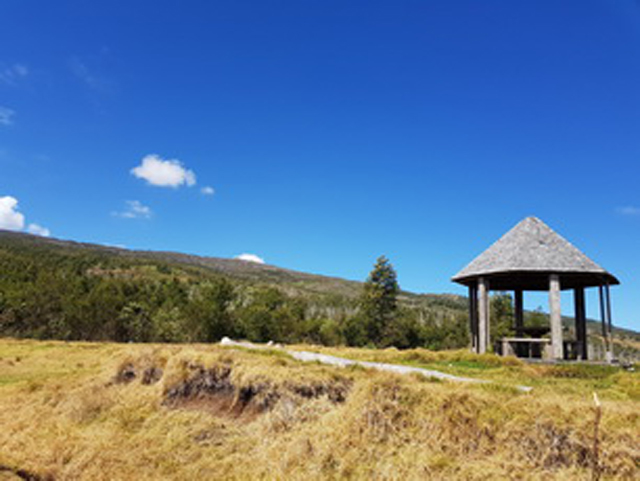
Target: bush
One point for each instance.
(331, 333)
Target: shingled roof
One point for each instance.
(524, 256)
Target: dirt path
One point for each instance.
(307, 356)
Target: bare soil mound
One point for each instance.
(213, 390)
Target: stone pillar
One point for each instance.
(555, 316)
(483, 315)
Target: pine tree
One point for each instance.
(379, 303)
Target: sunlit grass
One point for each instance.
(62, 415)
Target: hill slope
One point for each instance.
(63, 289)
(237, 269)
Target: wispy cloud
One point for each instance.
(12, 219)
(89, 77)
(38, 230)
(12, 74)
(117, 246)
(207, 190)
(6, 116)
(134, 210)
(250, 258)
(164, 173)
(628, 210)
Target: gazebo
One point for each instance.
(532, 257)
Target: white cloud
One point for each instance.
(250, 258)
(164, 173)
(95, 81)
(81, 71)
(629, 210)
(10, 75)
(10, 218)
(21, 70)
(110, 244)
(117, 246)
(6, 116)
(207, 190)
(135, 210)
(38, 230)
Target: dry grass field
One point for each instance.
(138, 411)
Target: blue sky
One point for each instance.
(330, 132)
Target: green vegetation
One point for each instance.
(51, 289)
(379, 302)
(62, 290)
(379, 308)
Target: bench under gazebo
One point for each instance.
(532, 257)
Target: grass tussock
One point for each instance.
(106, 411)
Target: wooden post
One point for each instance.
(608, 297)
(555, 317)
(483, 315)
(581, 322)
(488, 330)
(519, 313)
(605, 330)
(609, 322)
(473, 316)
(602, 312)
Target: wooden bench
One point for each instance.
(535, 348)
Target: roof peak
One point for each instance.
(531, 246)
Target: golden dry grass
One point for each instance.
(62, 416)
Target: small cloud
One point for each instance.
(6, 116)
(117, 246)
(20, 70)
(12, 74)
(135, 210)
(250, 258)
(628, 210)
(164, 173)
(38, 230)
(86, 75)
(10, 218)
(207, 190)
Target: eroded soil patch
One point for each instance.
(24, 474)
(129, 372)
(212, 390)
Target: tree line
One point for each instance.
(89, 296)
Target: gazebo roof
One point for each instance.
(524, 257)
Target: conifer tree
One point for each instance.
(379, 301)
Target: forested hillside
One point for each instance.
(66, 290)
(72, 291)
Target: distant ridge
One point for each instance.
(291, 281)
(235, 268)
